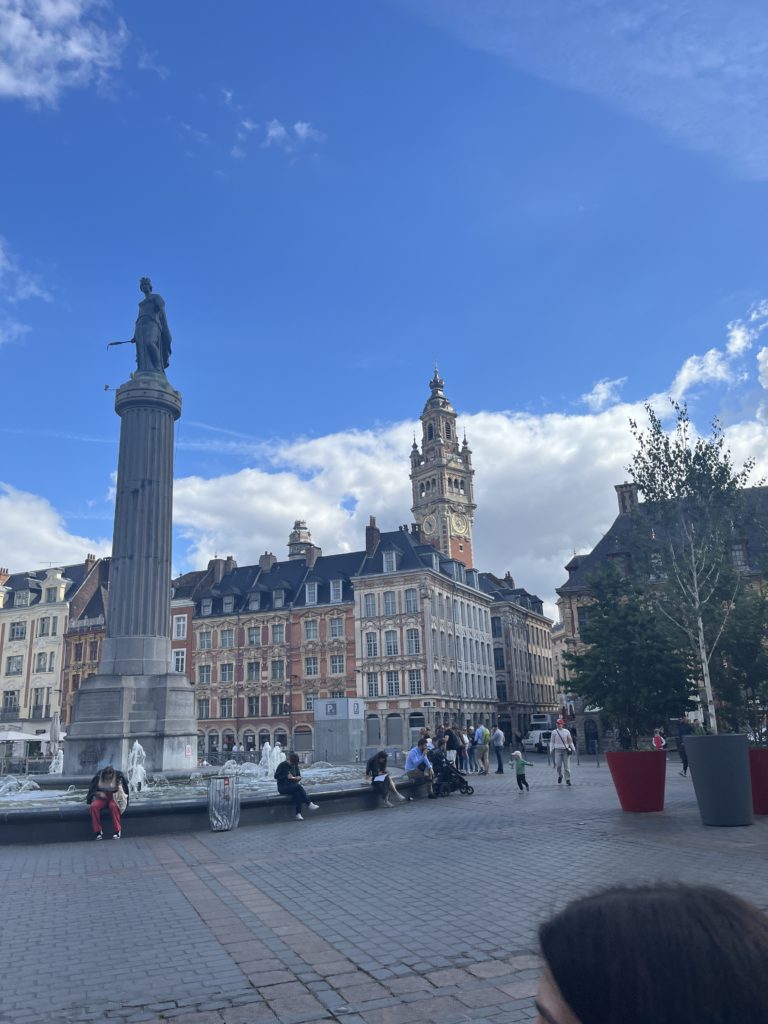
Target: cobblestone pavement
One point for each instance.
(427, 912)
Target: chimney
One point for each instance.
(312, 555)
(229, 565)
(216, 566)
(416, 532)
(90, 561)
(267, 560)
(627, 495)
(372, 536)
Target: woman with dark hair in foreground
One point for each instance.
(677, 953)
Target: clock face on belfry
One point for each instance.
(459, 523)
(429, 525)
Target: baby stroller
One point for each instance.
(448, 780)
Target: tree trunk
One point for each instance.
(705, 673)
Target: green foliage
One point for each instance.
(688, 523)
(740, 666)
(634, 668)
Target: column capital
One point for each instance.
(147, 389)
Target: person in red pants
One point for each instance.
(109, 788)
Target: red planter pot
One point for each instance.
(758, 770)
(639, 777)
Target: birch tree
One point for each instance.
(689, 523)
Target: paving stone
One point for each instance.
(210, 910)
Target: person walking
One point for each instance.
(497, 739)
(684, 728)
(520, 765)
(561, 747)
(482, 739)
(288, 779)
(108, 788)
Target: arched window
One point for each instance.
(461, 486)
(450, 484)
(416, 720)
(448, 431)
(430, 432)
(302, 738)
(227, 739)
(372, 731)
(249, 740)
(213, 742)
(422, 490)
(394, 730)
(281, 737)
(265, 736)
(201, 744)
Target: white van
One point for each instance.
(536, 740)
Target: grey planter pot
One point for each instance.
(721, 779)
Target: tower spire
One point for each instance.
(441, 478)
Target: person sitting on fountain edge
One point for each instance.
(381, 780)
(288, 779)
(108, 788)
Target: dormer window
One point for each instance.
(390, 561)
(336, 588)
(228, 604)
(206, 606)
(278, 598)
(311, 593)
(21, 600)
(51, 595)
(254, 602)
(436, 561)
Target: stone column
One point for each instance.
(138, 621)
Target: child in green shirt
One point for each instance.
(520, 765)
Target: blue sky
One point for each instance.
(331, 196)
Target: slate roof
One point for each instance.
(292, 575)
(620, 540)
(504, 590)
(33, 581)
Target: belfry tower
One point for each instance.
(441, 476)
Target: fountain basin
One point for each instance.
(71, 822)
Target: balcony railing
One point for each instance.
(9, 715)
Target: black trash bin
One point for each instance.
(223, 802)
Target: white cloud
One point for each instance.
(148, 61)
(276, 135)
(34, 533)
(712, 366)
(544, 485)
(49, 46)
(605, 392)
(306, 133)
(762, 367)
(290, 140)
(16, 285)
(699, 71)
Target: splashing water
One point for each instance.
(271, 757)
(137, 773)
(56, 766)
